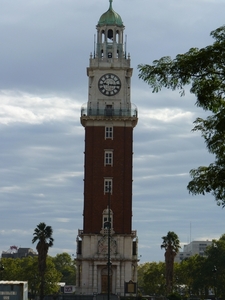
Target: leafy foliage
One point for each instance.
(154, 280)
(203, 70)
(26, 269)
(174, 296)
(194, 277)
(67, 267)
(215, 264)
(59, 268)
(171, 242)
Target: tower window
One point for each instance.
(79, 247)
(117, 37)
(107, 224)
(102, 36)
(107, 221)
(107, 186)
(110, 34)
(108, 132)
(134, 248)
(108, 158)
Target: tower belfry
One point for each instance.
(108, 118)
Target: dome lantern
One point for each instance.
(110, 17)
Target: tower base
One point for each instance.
(92, 263)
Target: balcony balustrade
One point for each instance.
(109, 112)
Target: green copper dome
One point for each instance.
(110, 17)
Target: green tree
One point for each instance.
(204, 71)
(171, 244)
(142, 269)
(215, 266)
(12, 269)
(67, 267)
(154, 279)
(52, 277)
(193, 276)
(179, 275)
(26, 269)
(174, 296)
(43, 235)
(31, 274)
(1, 269)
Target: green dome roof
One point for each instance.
(110, 17)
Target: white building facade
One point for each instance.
(195, 247)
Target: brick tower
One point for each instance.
(108, 118)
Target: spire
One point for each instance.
(110, 4)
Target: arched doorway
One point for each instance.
(104, 282)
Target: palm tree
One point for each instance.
(171, 244)
(42, 234)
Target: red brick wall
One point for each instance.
(121, 172)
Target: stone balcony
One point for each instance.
(110, 112)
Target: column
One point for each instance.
(122, 268)
(95, 284)
(90, 279)
(118, 278)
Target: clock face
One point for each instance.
(109, 84)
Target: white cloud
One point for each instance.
(166, 115)
(26, 108)
(63, 220)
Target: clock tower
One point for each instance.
(107, 245)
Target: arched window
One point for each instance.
(117, 36)
(107, 222)
(102, 36)
(110, 34)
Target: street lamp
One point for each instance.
(109, 231)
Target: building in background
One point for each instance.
(107, 245)
(15, 252)
(195, 247)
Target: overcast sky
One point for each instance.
(45, 49)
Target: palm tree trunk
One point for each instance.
(169, 258)
(42, 287)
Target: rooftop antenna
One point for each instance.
(190, 232)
